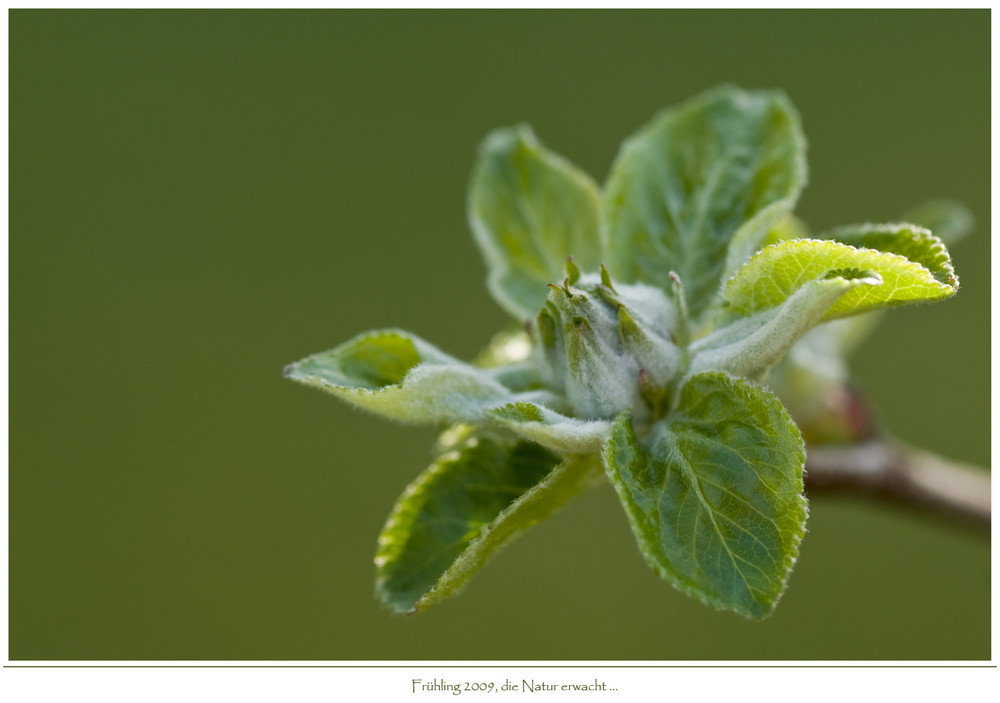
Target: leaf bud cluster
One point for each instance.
(607, 349)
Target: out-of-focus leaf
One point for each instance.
(948, 220)
(529, 209)
(696, 190)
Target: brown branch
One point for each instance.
(891, 470)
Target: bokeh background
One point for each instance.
(198, 198)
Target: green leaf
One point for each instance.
(749, 346)
(775, 273)
(788, 227)
(714, 493)
(825, 348)
(402, 377)
(537, 423)
(915, 243)
(462, 509)
(821, 353)
(696, 191)
(948, 220)
(808, 378)
(529, 210)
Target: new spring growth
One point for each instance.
(667, 381)
(609, 348)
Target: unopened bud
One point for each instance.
(657, 355)
(607, 349)
(572, 271)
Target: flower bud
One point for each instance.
(607, 349)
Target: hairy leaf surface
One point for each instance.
(911, 241)
(696, 190)
(749, 346)
(714, 493)
(551, 429)
(402, 377)
(775, 273)
(529, 209)
(462, 509)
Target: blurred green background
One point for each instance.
(198, 198)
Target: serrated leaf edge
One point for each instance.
(789, 243)
(789, 559)
(574, 474)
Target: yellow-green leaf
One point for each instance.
(776, 272)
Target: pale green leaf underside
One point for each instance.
(750, 345)
(401, 377)
(462, 509)
(714, 493)
(552, 430)
(777, 271)
(696, 190)
(529, 209)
